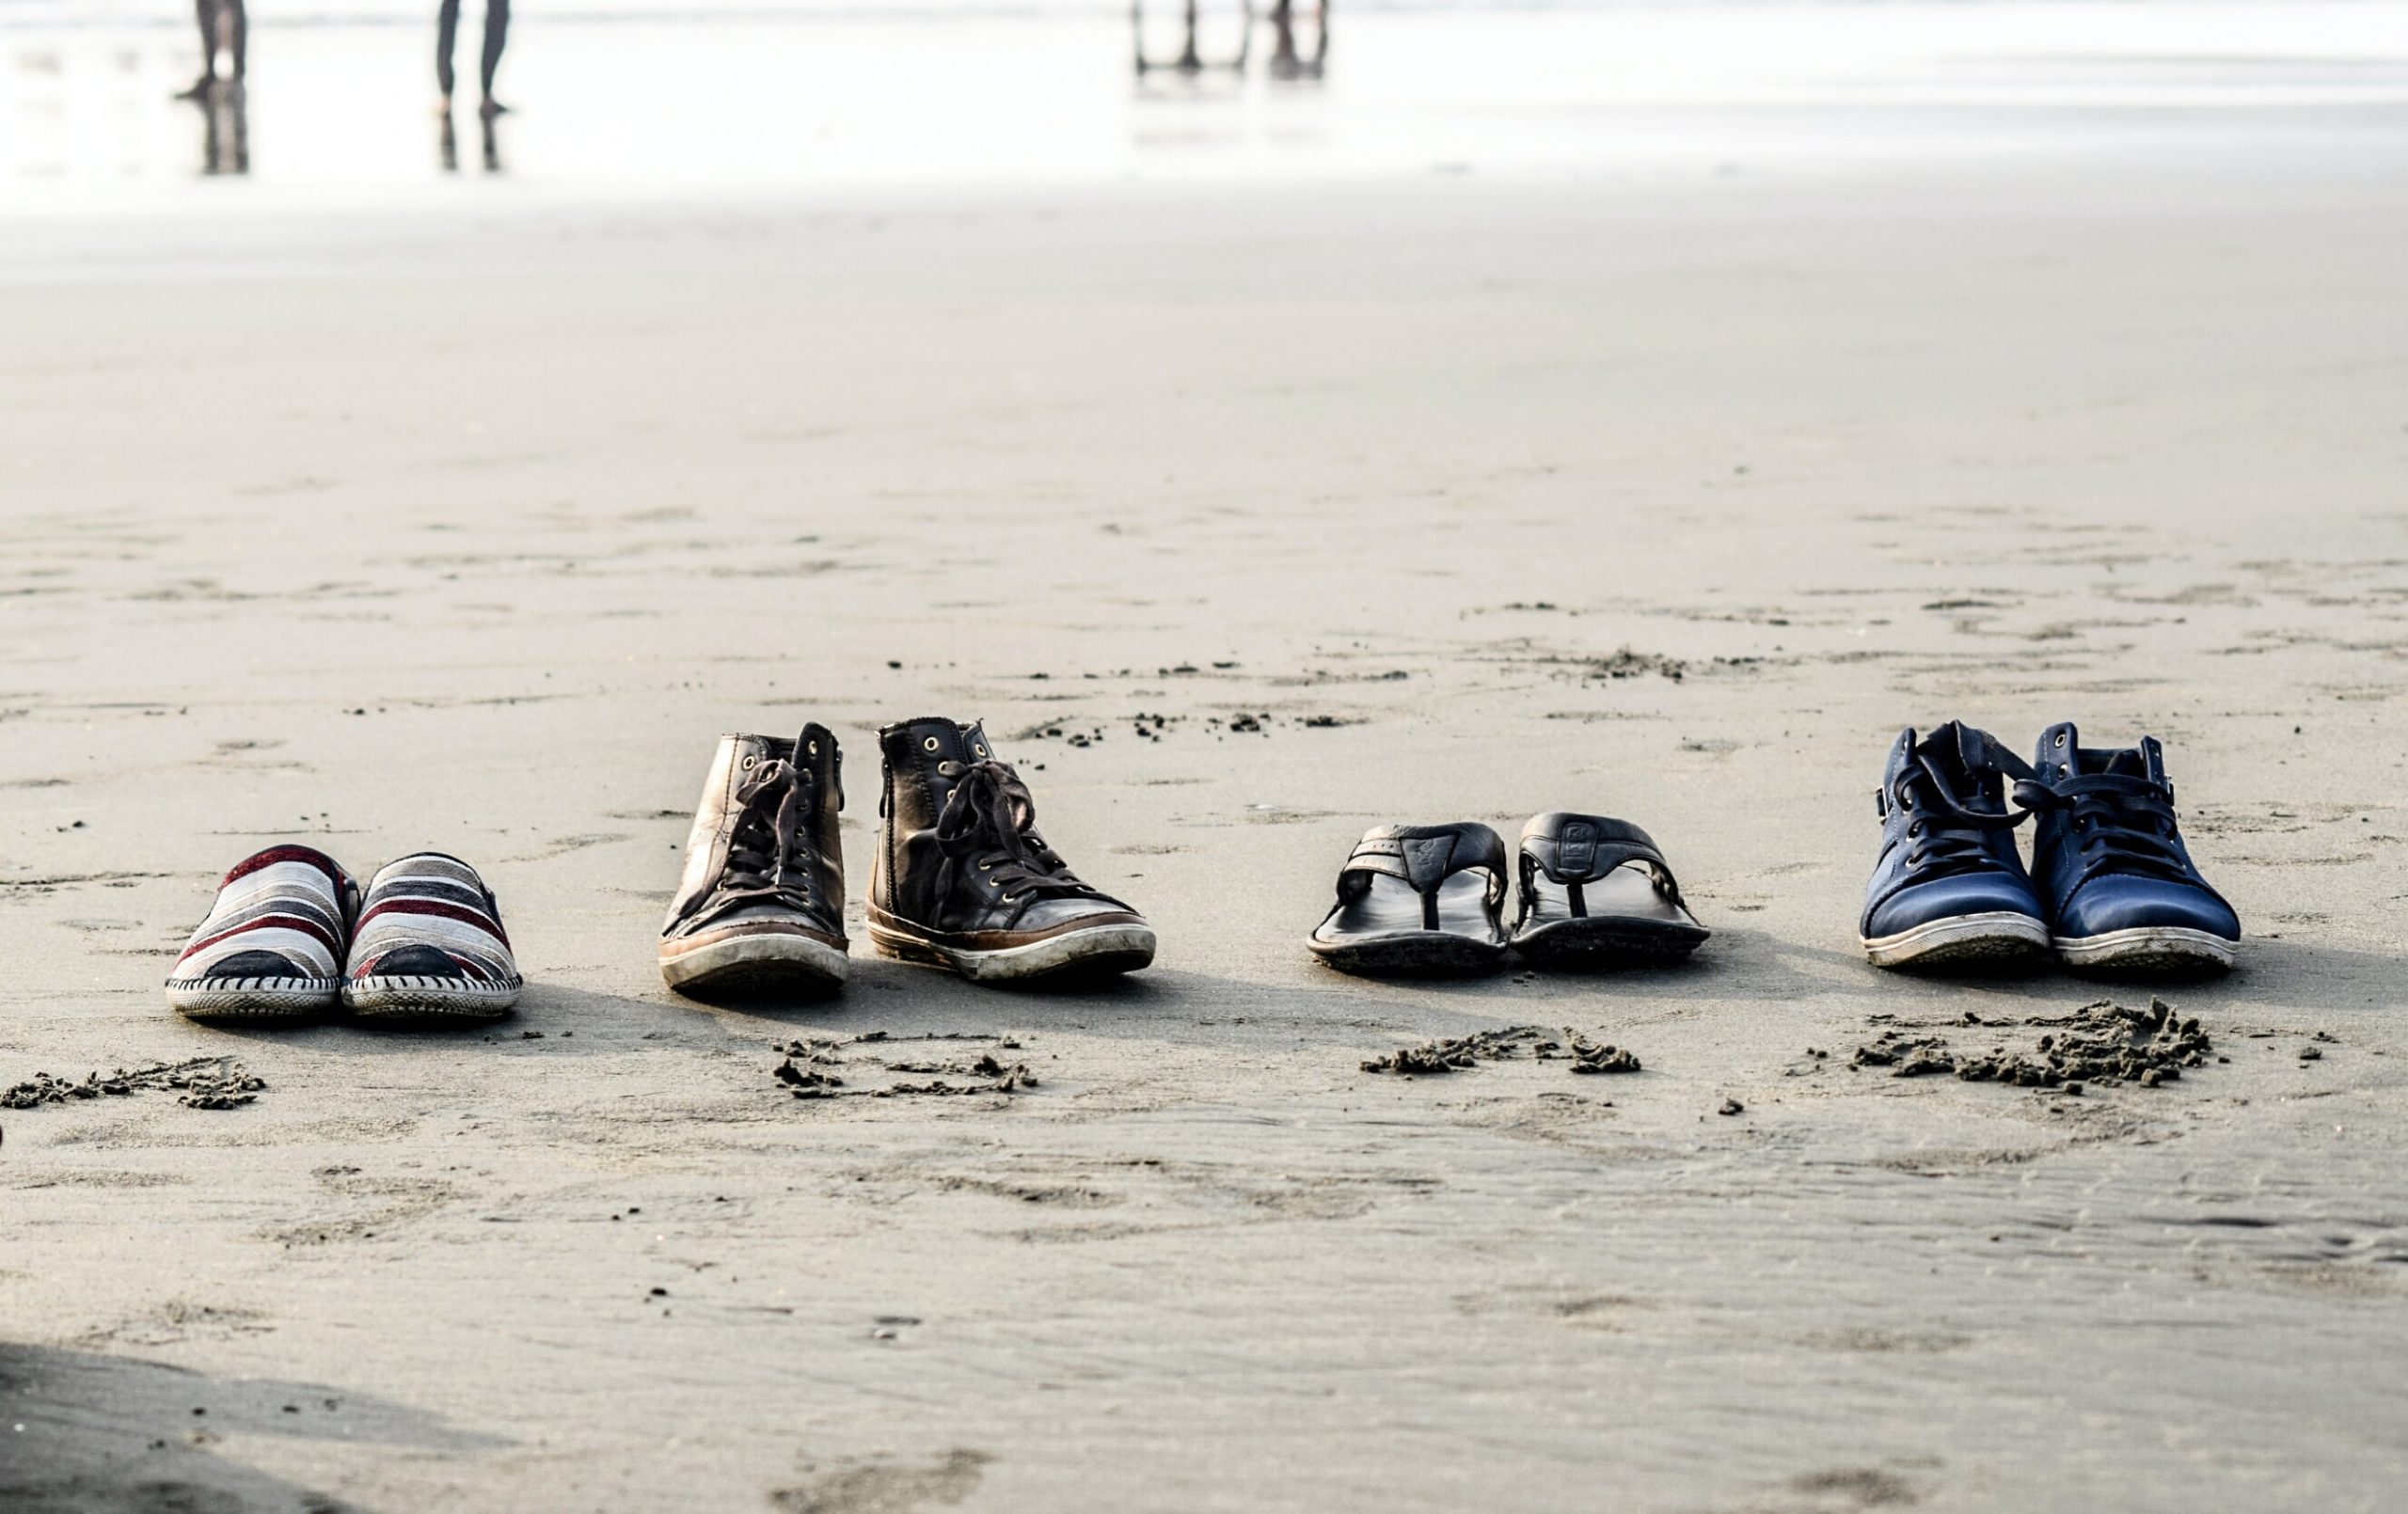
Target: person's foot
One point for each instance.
(200, 87)
(762, 903)
(443, 106)
(491, 108)
(963, 880)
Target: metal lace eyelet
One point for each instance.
(928, 743)
(980, 750)
(815, 748)
(749, 760)
(2061, 738)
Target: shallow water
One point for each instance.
(802, 97)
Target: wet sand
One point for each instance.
(1471, 495)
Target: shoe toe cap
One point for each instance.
(1049, 914)
(256, 964)
(2116, 902)
(415, 962)
(1977, 893)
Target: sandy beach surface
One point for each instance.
(1660, 482)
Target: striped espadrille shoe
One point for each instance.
(272, 945)
(430, 945)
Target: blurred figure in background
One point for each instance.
(1191, 58)
(447, 25)
(1285, 62)
(224, 29)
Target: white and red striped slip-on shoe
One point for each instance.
(429, 945)
(272, 945)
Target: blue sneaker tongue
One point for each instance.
(1960, 753)
(2146, 761)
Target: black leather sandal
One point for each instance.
(1418, 901)
(1596, 892)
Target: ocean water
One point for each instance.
(399, 12)
(639, 97)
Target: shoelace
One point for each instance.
(1946, 837)
(991, 818)
(2124, 823)
(768, 827)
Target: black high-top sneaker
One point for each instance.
(762, 903)
(963, 880)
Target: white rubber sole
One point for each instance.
(1099, 951)
(764, 962)
(1996, 938)
(258, 999)
(2167, 949)
(408, 996)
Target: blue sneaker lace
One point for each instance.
(2124, 823)
(1949, 839)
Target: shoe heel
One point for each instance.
(900, 948)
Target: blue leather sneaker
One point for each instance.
(2123, 893)
(1950, 889)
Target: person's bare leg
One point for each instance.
(447, 26)
(496, 34)
(238, 34)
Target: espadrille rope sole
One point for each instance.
(405, 996)
(261, 998)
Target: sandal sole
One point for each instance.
(1600, 940)
(1079, 955)
(1418, 954)
(757, 965)
(1997, 940)
(253, 999)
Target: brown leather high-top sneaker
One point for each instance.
(963, 880)
(762, 903)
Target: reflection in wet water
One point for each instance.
(226, 128)
(1286, 61)
(448, 142)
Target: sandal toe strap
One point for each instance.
(1424, 857)
(1574, 850)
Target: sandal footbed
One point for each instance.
(1383, 931)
